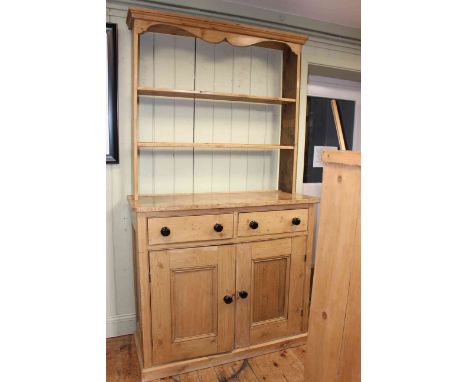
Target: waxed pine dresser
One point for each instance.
(220, 276)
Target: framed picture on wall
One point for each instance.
(112, 147)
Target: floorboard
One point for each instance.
(283, 366)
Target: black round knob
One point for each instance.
(165, 231)
(218, 227)
(243, 294)
(296, 221)
(227, 299)
(253, 224)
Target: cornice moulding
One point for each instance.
(317, 31)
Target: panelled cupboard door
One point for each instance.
(190, 317)
(272, 274)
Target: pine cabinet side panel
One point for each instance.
(146, 106)
(143, 269)
(336, 249)
(350, 359)
(308, 269)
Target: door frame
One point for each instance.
(328, 87)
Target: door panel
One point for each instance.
(190, 318)
(272, 272)
(269, 294)
(185, 297)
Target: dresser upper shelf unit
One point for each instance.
(216, 96)
(212, 31)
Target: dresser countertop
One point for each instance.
(201, 201)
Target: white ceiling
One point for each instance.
(342, 12)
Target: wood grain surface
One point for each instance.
(180, 202)
(284, 365)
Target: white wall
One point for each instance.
(169, 61)
(120, 295)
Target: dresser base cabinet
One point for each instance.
(220, 277)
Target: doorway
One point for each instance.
(320, 133)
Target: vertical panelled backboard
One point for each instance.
(204, 112)
(168, 62)
(222, 116)
(187, 63)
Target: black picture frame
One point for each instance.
(112, 154)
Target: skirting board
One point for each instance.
(179, 367)
(120, 325)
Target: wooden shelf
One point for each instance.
(255, 146)
(160, 92)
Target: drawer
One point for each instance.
(189, 228)
(271, 222)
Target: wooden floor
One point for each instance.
(284, 366)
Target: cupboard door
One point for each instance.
(272, 274)
(190, 317)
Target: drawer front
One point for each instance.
(272, 222)
(189, 228)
